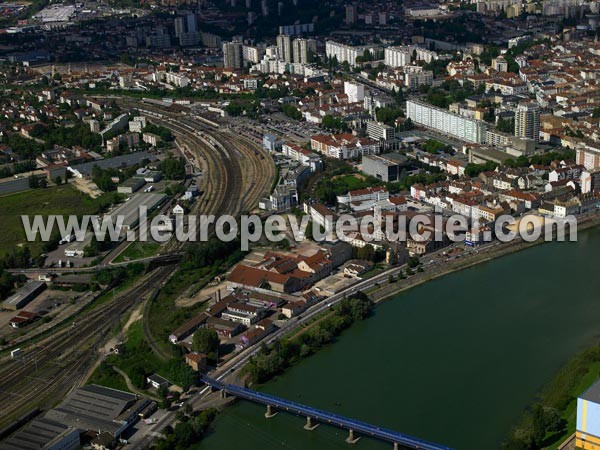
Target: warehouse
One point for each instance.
(130, 210)
(131, 185)
(43, 433)
(24, 295)
(118, 162)
(100, 409)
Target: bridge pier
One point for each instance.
(396, 446)
(269, 414)
(351, 439)
(310, 426)
(223, 393)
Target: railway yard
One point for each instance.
(236, 174)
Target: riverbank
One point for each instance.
(389, 290)
(476, 347)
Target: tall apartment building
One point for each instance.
(302, 49)
(233, 55)
(354, 91)
(343, 52)
(443, 121)
(397, 56)
(185, 29)
(284, 47)
(527, 121)
(210, 40)
(415, 76)
(179, 23)
(380, 131)
(252, 53)
(351, 14)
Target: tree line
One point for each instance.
(270, 361)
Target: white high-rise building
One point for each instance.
(302, 48)
(354, 91)
(253, 54)
(284, 47)
(343, 52)
(463, 128)
(397, 56)
(527, 121)
(351, 14)
(233, 55)
(179, 24)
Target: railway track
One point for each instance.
(49, 369)
(238, 175)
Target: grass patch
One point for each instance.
(138, 361)
(138, 250)
(200, 265)
(59, 200)
(105, 375)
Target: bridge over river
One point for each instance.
(313, 416)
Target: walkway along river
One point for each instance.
(454, 361)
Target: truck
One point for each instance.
(67, 239)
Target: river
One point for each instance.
(454, 361)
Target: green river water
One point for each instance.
(454, 361)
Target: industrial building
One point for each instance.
(99, 409)
(43, 433)
(587, 434)
(24, 295)
(118, 162)
(385, 167)
(130, 210)
(445, 122)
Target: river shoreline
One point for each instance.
(385, 292)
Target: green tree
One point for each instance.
(205, 341)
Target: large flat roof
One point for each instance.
(36, 435)
(93, 408)
(26, 290)
(130, 209)
(128, 160)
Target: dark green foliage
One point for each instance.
(79, 134)
(334, 123)
(173, 168)
(206, 341)
(164, 133)
(506, 125)
(273, 360)
(388, 115)
(188, 431)
(291, 111)
(118, 275)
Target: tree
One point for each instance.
(34, 182)
(205, 341)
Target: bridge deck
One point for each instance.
(324, 416)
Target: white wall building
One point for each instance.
(443, 121)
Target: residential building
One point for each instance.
(441, 120)
(527, 121)
(284, 47)
(397, 56)
(354, 91)
(344, 146)
(303, 50)
(233, 55)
